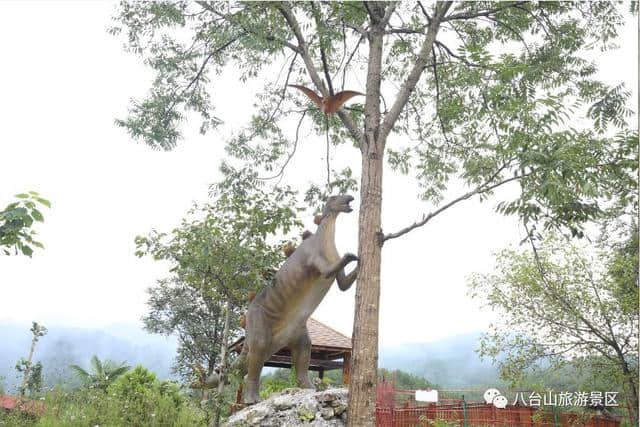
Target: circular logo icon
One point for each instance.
(491, 394)
(500, 402)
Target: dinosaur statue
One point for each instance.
(277, 316)
(331, 103)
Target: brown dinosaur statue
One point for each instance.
(277, 316)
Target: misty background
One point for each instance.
(449, 362)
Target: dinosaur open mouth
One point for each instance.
(348, 208)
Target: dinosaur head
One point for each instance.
(337, 204)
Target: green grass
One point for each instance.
(89, 407)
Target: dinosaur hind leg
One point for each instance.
(301, 355)
(258, 344)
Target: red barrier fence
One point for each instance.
(392, 411)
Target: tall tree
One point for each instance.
(25, 366)
(560, 306)
(481, 92)
(220, 252)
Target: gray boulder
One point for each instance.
(295, 407)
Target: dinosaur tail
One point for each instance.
(238, 366)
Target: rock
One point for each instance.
(326, 413)
(326, 398)
(339, 409)
(280, 403)
(295, 407)
(256, 415)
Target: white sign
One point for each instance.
(427, 396)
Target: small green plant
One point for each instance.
(101, 374)
(305, 415)
(160, 405)
(437, 423)
(147, 401)
(275, 383)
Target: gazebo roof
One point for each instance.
(322, 337)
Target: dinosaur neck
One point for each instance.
(327, 229)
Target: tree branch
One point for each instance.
(346, 65)
(292, 22)
(268, 37)
(559, 298)
(458, 57)
(435, 76)
(198, 74)
(293, 151)
(412, 80)
(471, 15)
(425, 13)
(323, 56)
(512, 30)
(482, 188)
(387, 14)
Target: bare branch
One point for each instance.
(293, 151)
(387, 13)
(425, 13)
(419, 30)
(346, 65)
(458, 57)
(482, 188)
(323, 56)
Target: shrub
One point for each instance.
(145, 400)
(137, 399)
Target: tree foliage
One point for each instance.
(563, 306)
(34, 380)
(31, 373)
(504, 87)
(148, 401)
(480, 93)
(16, 221)
(220, 252)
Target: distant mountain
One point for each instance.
(63, 346)
(451, 362)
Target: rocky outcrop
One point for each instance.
(296, 407)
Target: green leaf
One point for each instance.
(22, 196)
(37, 215)
(26, 250)
(43, 201)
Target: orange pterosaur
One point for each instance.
(332, 103)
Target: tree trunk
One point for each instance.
(223, 362)
(27, 370)
(364, 359)
(632, 400)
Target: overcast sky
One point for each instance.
(63, 80)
